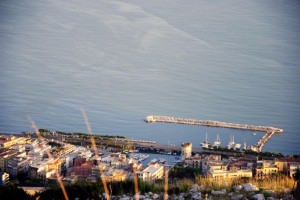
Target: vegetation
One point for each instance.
(82, 190)
(184, 173)
(54, 144)
(63, 133)
(264, 154)
(97, 136)
(89, 190)
(277, 183)
(44, 130)
(11, 192)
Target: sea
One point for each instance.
(120, 61)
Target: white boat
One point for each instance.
(231, 144)
(237, 146)
(154, 160)
(206, 143)
(245, 145)
(176, 161)
(217, 143)
(143, 157)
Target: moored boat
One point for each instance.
(231, 143)
(217, 143)
(206, 143)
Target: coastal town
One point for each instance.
(71, 157)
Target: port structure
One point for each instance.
(269, 130)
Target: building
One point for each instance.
(266, 168)
(70, 159)
(7, 141)
(230, 174)
(38, 151)
(284, 163)
(55, 164)
(70, 180)
(4, 178)
(17, 165)
(293, 168)
(31, 145)
(186, 149)
(153, 172)
(66, 149)
(85, 169)
(114, 175)
(96, 171)
(227, 169)
(210, 161)
(116, 160)
(4, 158)
(38, 168)
(194, 161)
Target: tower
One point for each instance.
(186, 150)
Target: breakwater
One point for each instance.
(270, 131)
(263, 140)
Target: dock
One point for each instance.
(269, 130)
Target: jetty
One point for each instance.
(270, 131)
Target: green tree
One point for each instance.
(12, 192)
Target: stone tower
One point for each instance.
(186, 150)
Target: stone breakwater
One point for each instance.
(270, 131)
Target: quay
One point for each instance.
(270, 131)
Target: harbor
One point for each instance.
(269, 130)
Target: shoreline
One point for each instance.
(72, 139)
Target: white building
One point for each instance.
(210, 161)
(220, 171)
(17, 165)
(153, 172)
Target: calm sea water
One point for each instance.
(233, 61)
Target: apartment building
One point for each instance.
(153, 172)
(17, 165)
(266, 168)
(221, 171)
(85, 169)
(193, 161)
(4, 158)
(209, 161)
(284, 163)
(7, 141)
(38, 168)
(115, 175)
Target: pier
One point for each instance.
(261, 143)
(270, 131)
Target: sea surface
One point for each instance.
(233, 61)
